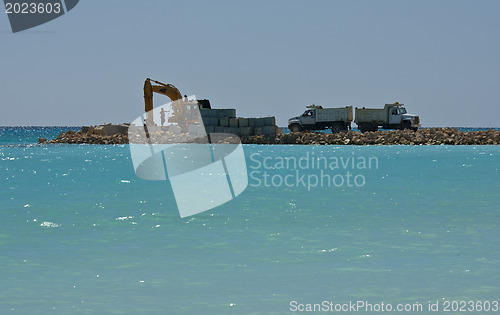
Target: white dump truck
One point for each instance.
(318, 118)
(392, 116)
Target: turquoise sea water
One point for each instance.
(81, 233)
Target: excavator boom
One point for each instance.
(166, 89)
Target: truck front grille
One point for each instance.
(416, 120)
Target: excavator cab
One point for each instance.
(204, 104)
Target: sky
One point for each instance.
(441, 58)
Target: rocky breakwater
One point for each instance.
(426, 136)
(102, 134)
(126, 133)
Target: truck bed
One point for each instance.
(371, 115)
(334, 114)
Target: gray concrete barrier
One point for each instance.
(224, 122)
(246, 131)
(232, 130)
(269, 130)
(230, 112)
(214, 121)
(269, 121)
(233, 123)
(259, 122)
(243, 122)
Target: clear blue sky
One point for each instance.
(440, 58)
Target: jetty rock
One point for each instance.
(118, 134)
(426, 136)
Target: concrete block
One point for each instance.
(122, 129)
(269, 130)
(206, 120)
(234, 131)
(99, 130)
(246, 131)
(111, 130)
(258, 131)
(252, 122)
(212, 113)
(243, 122)
(209, 129)
(269, 121)
(230, 112)
(279, 131)
(224, 122)
(204, 112)
(221, 113)
(259, 122)
(233, 123)
(218, 129)
(214, 121)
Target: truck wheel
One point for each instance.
(367, 127)
(406, 125)
(338, 127)
(295, 128)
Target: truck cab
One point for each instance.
(399, 115)
(308, 117)
(392, 116)
(395, 116)
(400, 119)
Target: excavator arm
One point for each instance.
(166, 89)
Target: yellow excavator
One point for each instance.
(181, 108)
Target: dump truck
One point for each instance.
(392, 116)
(318, 118)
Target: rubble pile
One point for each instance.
(81, 137)
(426, 136)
